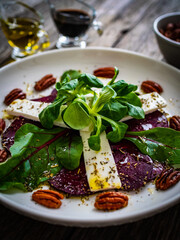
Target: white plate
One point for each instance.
(134, 68)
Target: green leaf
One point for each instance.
(90, 80)
(116, 72)
(131, 98)
(51, 113)
(104, 97)
(157, 151)
(69, 151)
(114, 110)
(71, 74)
(94, 139)
(94, 142)
(76, 117)
(133, 111)
(162, 144)
(32, 161)
(122, 88)
(8, 185)
(118, 131)
(167, 136)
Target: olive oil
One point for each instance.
(21, 32)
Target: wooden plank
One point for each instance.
(141, 38)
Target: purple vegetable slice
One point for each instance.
(135, 169)
(72, 182)
(47, 99)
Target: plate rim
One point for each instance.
(32, 213)
(108, 49)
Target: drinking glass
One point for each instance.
(73, 18)
(23, 28)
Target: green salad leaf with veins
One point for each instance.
(38, 154)
(83, 106)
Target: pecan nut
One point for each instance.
(111, 201)
(175, 122)
(106, 72)
(16, 93)
(45, 82)
(172, 31)
(3, 155)
(167, 179)
(48, 198)
(149, 86)
(2, 125)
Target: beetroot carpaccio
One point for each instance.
(135, 169)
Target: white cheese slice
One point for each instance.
(100, 166)
(31, 109)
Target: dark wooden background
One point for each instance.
(128, 24)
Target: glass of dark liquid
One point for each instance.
(73, 18)
(23, 27)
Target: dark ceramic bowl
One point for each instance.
(169, 48)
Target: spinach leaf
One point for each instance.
(162, 144)
(33, 160)
(167, 136)
(69, 151)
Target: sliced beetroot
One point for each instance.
(47, 99)
(72, 182)
(135, 169)
(152, 120)
(8, 135)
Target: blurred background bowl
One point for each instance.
(168, 47)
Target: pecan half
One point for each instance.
(16, 93)
(2, 125)
(45, 82)
(175, 122)
(3, 155)
(106, 72)
(111, 201)
(48, 198)
(167, 179)
(149, 86)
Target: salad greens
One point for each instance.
(83, 106)
(38, 154)
(162, 144)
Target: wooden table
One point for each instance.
(127, 25)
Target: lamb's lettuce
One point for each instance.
(106, 108)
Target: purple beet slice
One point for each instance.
(47, 99)
(151, 120)
(9, 134)
(73, 182)
(134, 168)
